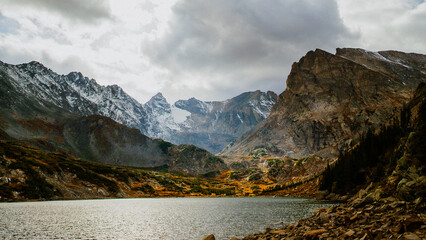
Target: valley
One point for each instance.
(349, 128)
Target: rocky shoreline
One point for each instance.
(386, 219)
(359, 218)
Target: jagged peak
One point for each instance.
(76, 74)
(312, 54)
(159, 95)
(34, 64)
(114, 86)
(158, 99)
(193, 99)
(271, 93)
(79, 78)
(319, 50)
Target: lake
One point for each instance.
(150, 218)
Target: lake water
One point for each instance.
(151, 218)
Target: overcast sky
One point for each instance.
(211, 50)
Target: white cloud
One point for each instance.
(386, 24)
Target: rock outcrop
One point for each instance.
(390, 201)
(331, 99)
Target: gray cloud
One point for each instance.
(248, 41)
(72, 63)
(86, 11)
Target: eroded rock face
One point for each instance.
(331, 99)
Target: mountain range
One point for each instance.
(211, 125)
(330, 100)
(40, 108)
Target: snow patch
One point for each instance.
(179, 115)
(381, 57)
(238, 115)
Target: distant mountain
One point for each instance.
(76, 93)
(211, 125)
(161, 123)
(28, 114)
(331, 98)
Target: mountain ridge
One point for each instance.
(31, 120)
(156, 118)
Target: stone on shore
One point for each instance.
(314, 233)
(210, 237)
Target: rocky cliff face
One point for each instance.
(330, 99)
(161, 123)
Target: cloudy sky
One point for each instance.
(211, 50)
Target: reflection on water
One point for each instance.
(154, 218)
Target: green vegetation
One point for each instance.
(210, 191)
(291, 185)
(253, 174)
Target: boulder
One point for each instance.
(411, 236)
(350, 233)
(313, 233)
(320, 195)
(412, 224)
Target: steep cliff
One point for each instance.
(331, 99)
